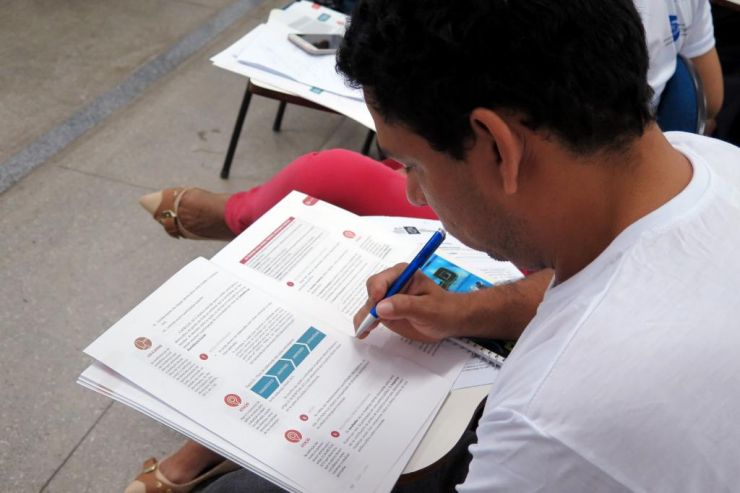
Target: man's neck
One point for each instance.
(603, 196)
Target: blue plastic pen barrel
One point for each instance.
(421, 258)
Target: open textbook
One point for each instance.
(253, 354)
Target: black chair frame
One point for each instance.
(284, 99)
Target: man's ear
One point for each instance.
(505, 147)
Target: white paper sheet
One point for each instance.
(417, 230)
(267, 48)
(105, 381)
(234, 346)
(309, 17)
(353, 108)
(102, 379)
(349, 107)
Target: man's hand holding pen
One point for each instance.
(422, 312)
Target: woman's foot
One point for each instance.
(189, 212)
(192, 460)
(191, 466)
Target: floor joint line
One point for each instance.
(59, 137)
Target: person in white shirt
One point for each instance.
(682, 27)
(627, 377)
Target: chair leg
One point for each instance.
(368, 142)
(226, 168)
(279, 117)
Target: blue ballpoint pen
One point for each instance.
(421, 258)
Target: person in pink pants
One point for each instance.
(344, 178)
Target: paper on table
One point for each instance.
(349, 107)
(269, 49)
(309, 17)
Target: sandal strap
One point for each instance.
(149, 465)
(166, 213)
(155, 482)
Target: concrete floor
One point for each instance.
(77, 251)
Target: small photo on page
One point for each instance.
(451, 277)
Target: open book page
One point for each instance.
(326, 410)
(312, 254)
(417, 230)
(105, 381)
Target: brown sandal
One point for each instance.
(151, 479)
(163, 206)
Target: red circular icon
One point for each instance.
(143, 343)
(203, 356)
(310, 200)
(290, 284)
(293, 436)
(335, 434)
(303, 417)
(349, 234)
(232, 400)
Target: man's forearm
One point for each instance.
(503, 311)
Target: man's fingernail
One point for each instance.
(384, 308)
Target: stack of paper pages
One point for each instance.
(269, 59)
(253, 354)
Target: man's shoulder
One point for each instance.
(701, 142)
(624, 372)
(721, 157)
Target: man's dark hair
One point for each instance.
(574, 68)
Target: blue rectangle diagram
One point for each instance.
(297, 353)
(311, 338)
(281, 370)
(265, 386)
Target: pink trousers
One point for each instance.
(344, 178)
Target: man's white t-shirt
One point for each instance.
(674, 27)
(628, 377)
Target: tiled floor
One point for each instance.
(77, 251)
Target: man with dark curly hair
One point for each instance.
(526, 126)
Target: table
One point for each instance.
(270, 76)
